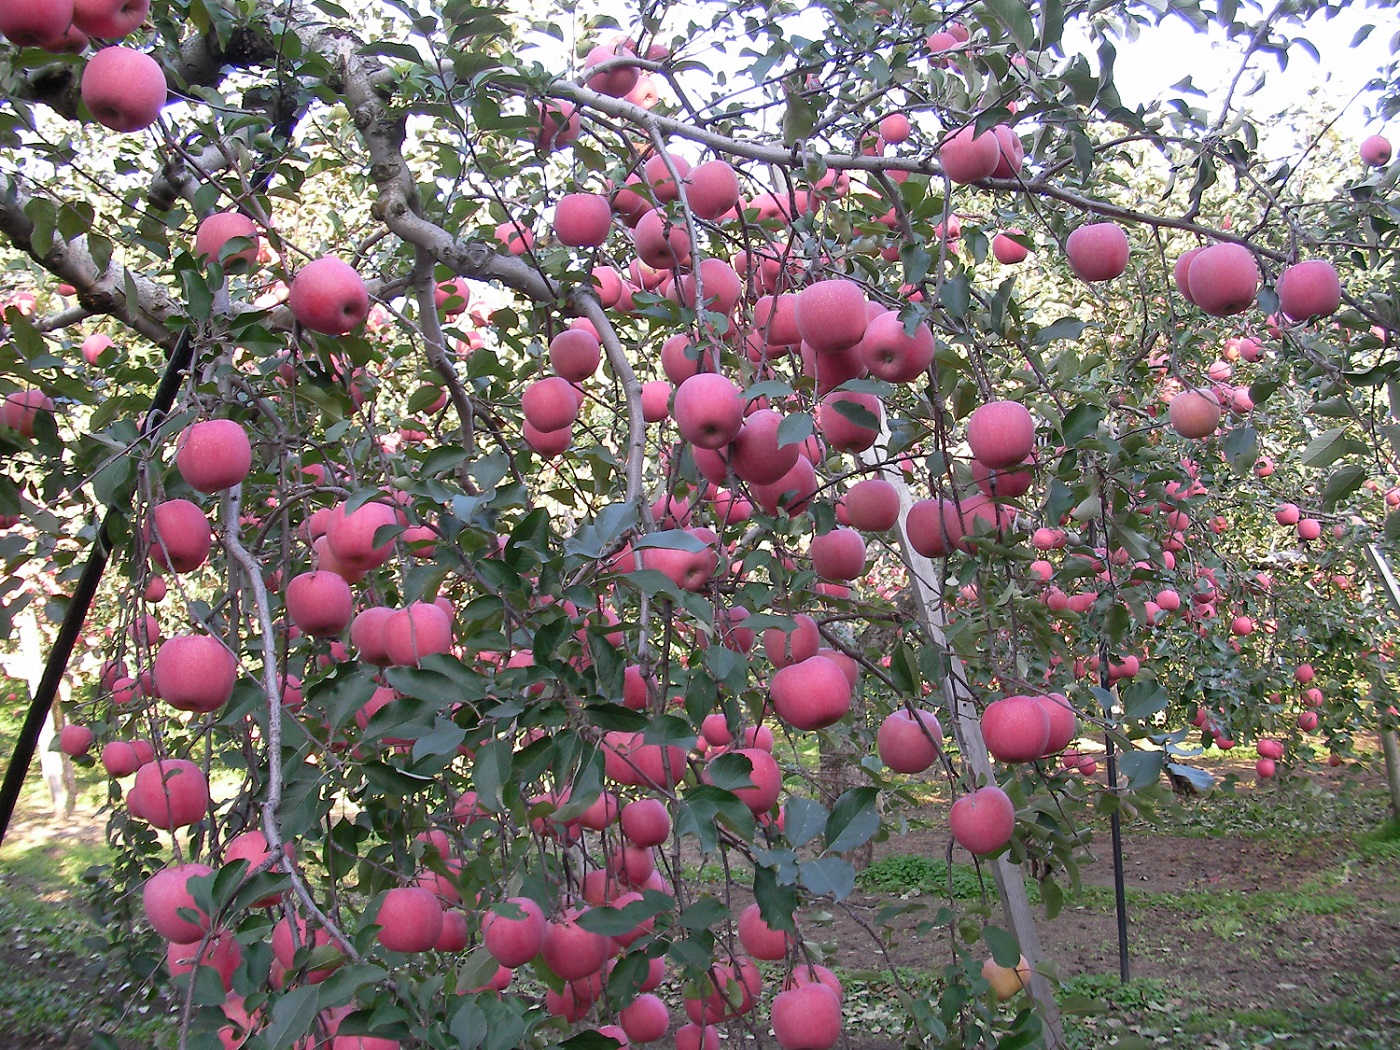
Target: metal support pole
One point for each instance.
(78, 605)
(1120, 895)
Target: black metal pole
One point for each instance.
(78, 605)
(1120, 896)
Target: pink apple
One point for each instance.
(218, 229)
(195, 672)
(907, 744)
(1223, 278)
(1098, 251)
(831, 315)
(75, 740)
(178, 535)
(983, 822)
(213, 455)
(759, 939)
(841, 419)
(516, 934)
(124, 89)
(838, 554)
(891, 354)
(418, 631)
(712, 189)
(1001, 434)
(1195, 413)
(756, 454)
(709, 410)
(109, 19)
(36, 23)
(969, 157)
(410, 919)
(574, 354)
(1309, 289)
(169, 793)
(1016, 729)
(22, 408)
(582, 220)
(163, 896)
(807, 1018)
(329, 296)
(1007, 249)
(812, 694)
(1375, 150)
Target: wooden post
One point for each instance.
(966, 723)
(1390, 740)
(31, 668)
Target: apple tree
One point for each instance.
(544, 452)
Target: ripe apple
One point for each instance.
(169, 793)
(582, 220)
(222, 954)
(1375, 150)
(1016, 728)
(787, 647)
(838, 554)
(755, 453)
(165, 893)
(645, 1019)
(969, 157)
(35, 24)
(514, 937)
(712, 189)
(1309, 289)
(1006, 981)
(839, 424)
(329, 296)
(109, 19)
(907, 744)
(1001, 434)
(1007, 249)
(766, 776)
(284, 950)
(708, 410)
(178, 535)
(572, 952)
(891, 354)
(812, 694)
(559, 125)
(213, 455)
(195, 672)
(793, 491)
(22, 408)
(1265, 768)
(646, 822)
(807, 1017)
(410, 919)
(350, 536)
(574, 354)
(218, 229)
(1195, 413)
(872, 505)
(1309, 529)
(983, 822)
(124, 89)
(759, 939)
(75, 740)
(831, 315)
(1224, 279)
(1098, 251)
(418, 631)
(660, 242)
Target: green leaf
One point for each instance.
(956, 295)
(1052, 23)
(1343, 482)
(1005, 949)
(1012, 14)
(730, 772)
(1241, 448)
(828, 875)
(491, 772)
(803, 820)
(795, 428)
(904, 670)
(1142, 768)
(776, 903)
(292, 1017)
(854, 819)
(1080, 422)
(1330, 446)
(1064, 328)
(671, 540)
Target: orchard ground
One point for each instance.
(1259, 916)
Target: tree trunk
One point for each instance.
(53, 765)
(1390, 745)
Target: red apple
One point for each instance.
(708, 410)
(845, 428)
(831, 315)
(1008, 250)
(179, 535)
(1195, 413)
(410, 919)
(807, 1018)
(418, 631)
(75, 740)
(165, 893)
(1098, 251)
(1375, 150)
(1016, 728)
(572, 952)
(712, 189)
(812, 694)
(969, 157)
(350, 537)
(36, 23)
(838, 554)
(787, 647)
(169, 793)
(1064, 724)
(218, 229)
(1001, 434)
(195, 672)
(872, 505)
(1223, 278)
(213, 455)
(123, 89)
(582, 220)
(1309, 289)
(759, 939)
(109, 19)
(646, 822)
(907, 744)
(891, 354)
(755, 452)
(767, 780)
(983, 822)
(512, 938)
(645, 1019)
(574, 354)
(329, 296)
(660, 242)
(1010, 154)
(22, 408)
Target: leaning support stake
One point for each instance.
(78, 605)
(967, 731)
(1390, 739)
